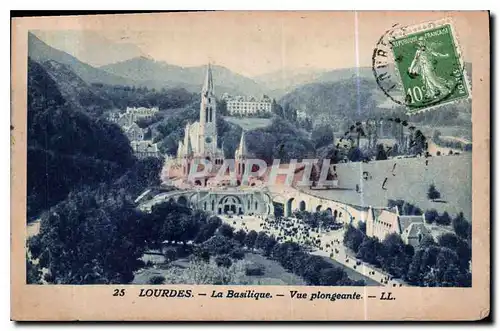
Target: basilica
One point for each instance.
(200, 138)
(200, 141)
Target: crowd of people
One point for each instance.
(324, 241)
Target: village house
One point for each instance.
(382, 222)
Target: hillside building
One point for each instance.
(145, 148)
(382, 222)
(134, 132)
(128, 122)
(142, 112)
(132, 115)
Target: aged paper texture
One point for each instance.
(251, 166)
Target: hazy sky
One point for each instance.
(248, 43)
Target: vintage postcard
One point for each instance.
(251, 166)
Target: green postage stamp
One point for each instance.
(430, 68)
(429, 65)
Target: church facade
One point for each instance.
(200, 142)
(200, 138)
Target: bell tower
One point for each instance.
(208, 119)
(240, 156)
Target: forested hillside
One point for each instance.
(351, 100)
(66, 147)
(348, 99)
(97, 98)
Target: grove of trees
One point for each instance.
(445, 263)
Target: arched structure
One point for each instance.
(230, 205)
(223, 201)
(294, 199)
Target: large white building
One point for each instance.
(245, 106)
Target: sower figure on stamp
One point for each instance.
(423, 65)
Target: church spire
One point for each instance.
(208, 85)
(189, 147)
(180, 150)
(242, 148)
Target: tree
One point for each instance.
(322, 135)
(353, 238)
(33, 273)
(355, 155)
(261, 240)
(250, 239)
(156, 280)
(395, 255)
(410, 209)
(223, 261)
(226, 230)
(222, 107)
(432, 193)
(240, 236)
(448, 240)
(277, 109)
(462, 228)
(396, 203)
(417, 267)
(208, 230)
(368, 250)
(270, 244)
(220, 245)
(427, 241)
(431, 216)
(444, 219)
(91, 238)
(170, 254)
(310, 267)
(418, 142)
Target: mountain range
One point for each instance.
(160, 74)
(145, 71)
(41, 52)
(281, 82)
(71, 41)
(322, 94)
